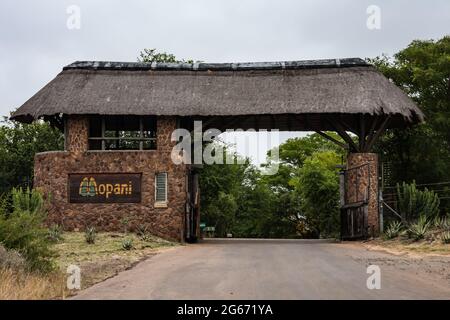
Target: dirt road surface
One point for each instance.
(276, 269)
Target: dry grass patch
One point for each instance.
(399, 245)
(22, 285)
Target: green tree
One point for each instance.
(18, 145)
(317, 184)
(152, 55)
(422, 70)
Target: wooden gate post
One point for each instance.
(363, 185)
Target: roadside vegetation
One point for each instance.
(419, 225)
(34, 258)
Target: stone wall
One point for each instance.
(77, 134)
(51, 176)
(362, 185)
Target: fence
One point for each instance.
(389, 198)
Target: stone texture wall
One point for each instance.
(51, 176)
(358, 187)
(77, 134)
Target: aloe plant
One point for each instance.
(393, 229)
(418, 229)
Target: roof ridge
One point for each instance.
(202, 66)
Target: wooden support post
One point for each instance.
(344, 135)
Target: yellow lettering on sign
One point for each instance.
(89, 187)
(109, 190)
(101, 189)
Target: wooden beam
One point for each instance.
(372, 130)
(362, 132)
(380, 130)
(341, 131)
(339, 143)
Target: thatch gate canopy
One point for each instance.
(316, 95)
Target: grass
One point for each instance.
(22, 285)
(99, 261)
(404, 245)
(106, 257)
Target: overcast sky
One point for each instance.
(35, 42)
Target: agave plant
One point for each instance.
(127, 244)
(441, 223)
(90, 235)
(54, 233)
(393, 229)
(445, 237)
(418, 229)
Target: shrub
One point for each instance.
(393, 230)
(141, 230)
(22, 285)
(125, 223)
(445, 237)
(90, 234)
(127, 244)
(55, 233)
(146, 237)
(22, 230)
(413, 203)
(11, 259)
(418, 230)
(27, 200)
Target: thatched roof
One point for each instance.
(332, 87)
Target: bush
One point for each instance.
(414, 203)
(141, 230)
(90, 234)
(393, 230)
(127, 244)
(29, 200)
(11, 259)
(55, 233)
(23, 230)
(418, 230)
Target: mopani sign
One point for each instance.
(105, 188)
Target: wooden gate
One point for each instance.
(192, 219)
(354, 188)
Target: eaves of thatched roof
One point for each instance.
(336, 87)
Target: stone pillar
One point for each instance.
(77, 134)
(165, 127)
(362, 185)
